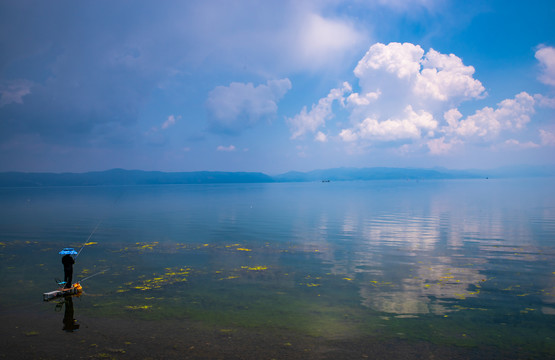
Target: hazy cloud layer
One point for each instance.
(13, 91)
(102, 72)
(240, 105)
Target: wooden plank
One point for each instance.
(51, 295)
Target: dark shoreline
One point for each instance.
(35, 335)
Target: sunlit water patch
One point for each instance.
(447, 262)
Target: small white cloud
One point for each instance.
(241, 105)
(321, 137)
(310, 121)
(513, 143)
(546, 57)
(440, 147)
(515, 113)
(13, 91)
(170, 121)
(348, 135)
(547, 138)
(356, 99)
(226, 148)
(544, 101)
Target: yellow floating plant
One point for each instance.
(145, 246)
(138, 307)
(255, 268)
(172, 276)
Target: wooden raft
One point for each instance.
(74, 290)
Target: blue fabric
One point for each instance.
(68, 251)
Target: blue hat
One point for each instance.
(68, 251)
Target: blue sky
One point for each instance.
(274, 86)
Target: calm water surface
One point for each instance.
(461, 264)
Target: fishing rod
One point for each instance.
(90, 236)
(60, 282)
(98, 273)
(96, 227)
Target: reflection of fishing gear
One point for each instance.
(96, 227)
(98, 273)
(59, 306)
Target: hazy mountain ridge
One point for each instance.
(140, 177)
(128, 177)
(377, 173)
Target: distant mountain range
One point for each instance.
(139, 177)
(128, 177)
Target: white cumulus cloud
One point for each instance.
(410, 127)
(400, 88)
(402, 60)
(511, 114)
(430, 75)
(445, 76)
(409, 98)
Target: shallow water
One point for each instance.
(459, 268)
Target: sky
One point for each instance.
(275, 86)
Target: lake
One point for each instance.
(458, 269)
